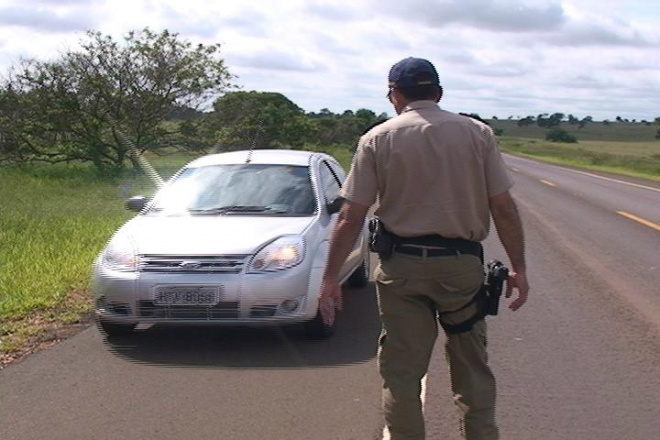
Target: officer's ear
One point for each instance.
(440, 92)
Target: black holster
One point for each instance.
(487, 300)
(381, 241)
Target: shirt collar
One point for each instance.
(419, 105)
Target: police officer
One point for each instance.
(437, 178)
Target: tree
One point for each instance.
(657, 134)
(366, 115)
(541, 120)
(325, 113)
(260, 119)
(585, 121)
(93, 102)
(554, 120)
(527, 120)
(560, 135)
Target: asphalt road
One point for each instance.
(580, 360)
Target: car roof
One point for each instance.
(272, 157)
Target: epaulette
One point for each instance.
(474, 116)
(373, 125)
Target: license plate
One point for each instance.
(187, 295)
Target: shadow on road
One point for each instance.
(355, 341)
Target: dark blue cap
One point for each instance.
(412, 72)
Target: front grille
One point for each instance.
(193, 264)
(222, 310)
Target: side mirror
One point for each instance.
(136, 203)
(335, 206)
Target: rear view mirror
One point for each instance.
(136, 203)
(335, 206)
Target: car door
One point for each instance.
(332, 177)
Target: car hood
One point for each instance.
(209, 235)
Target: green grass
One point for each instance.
(54, 220)
(639, 159)
(593, 131)
(343, 153)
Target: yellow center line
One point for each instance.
(640, 220)
(547, 182)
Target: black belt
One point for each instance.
(430, 252)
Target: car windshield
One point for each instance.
(246, 189)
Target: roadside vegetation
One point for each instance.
(623, 147)
(54, 220)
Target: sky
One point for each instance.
(494, 57)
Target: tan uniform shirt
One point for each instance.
(432, 172)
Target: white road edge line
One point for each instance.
(386, 433)
(636, 185)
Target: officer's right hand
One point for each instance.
(517, 280)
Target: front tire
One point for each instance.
(114, 329)
(317, 329)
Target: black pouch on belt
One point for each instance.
(381, 240)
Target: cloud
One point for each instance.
(275, 60)
(249, 22)
(59, 2)
(481, 14)
(578, 34)
(500, 71)
(333, 46)
(331, 11)
(635, 65)
(464, 58)
(586, 81)
(41, 19)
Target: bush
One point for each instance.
(560, 135)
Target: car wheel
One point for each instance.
(114, 329)
(360, 277)
(317, 329)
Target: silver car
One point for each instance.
(237, 238)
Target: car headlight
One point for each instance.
(120, 255)
(283, 253)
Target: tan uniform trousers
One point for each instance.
(411, 289)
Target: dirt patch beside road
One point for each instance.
(44, 328)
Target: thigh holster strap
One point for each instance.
(480, 299)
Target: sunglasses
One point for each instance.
(389, 95)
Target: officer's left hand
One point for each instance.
(330, 300)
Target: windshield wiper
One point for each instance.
(230, 208)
